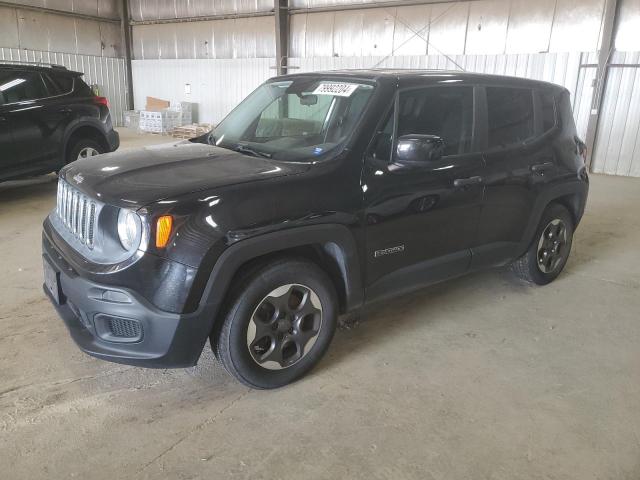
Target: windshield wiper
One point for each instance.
(252, 151)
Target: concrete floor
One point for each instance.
(480, 377)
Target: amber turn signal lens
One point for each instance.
(163, 230)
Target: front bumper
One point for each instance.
(118, 325)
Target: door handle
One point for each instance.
(3, 119)
(465, 182)
(541, 168)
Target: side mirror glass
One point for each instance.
(416, 150)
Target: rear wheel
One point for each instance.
(279, 324)
(84, 148)
(549, 252)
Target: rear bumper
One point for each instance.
(113, 139)
(118, 325)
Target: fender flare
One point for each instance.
(579, 189)
(77, 124)
(337, 241)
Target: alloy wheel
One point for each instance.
(552, 246)
(87, 152)
(284, 326)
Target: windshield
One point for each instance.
(295, 120)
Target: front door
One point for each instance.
(421, 222)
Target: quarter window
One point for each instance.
(16, 86)
(446, 112)
(510, 116)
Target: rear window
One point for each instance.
(510, 116)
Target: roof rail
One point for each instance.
(37, 64)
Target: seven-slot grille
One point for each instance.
(77, 212)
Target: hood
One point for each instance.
(137, 177)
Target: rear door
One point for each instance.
(519, 163)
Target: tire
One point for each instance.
(536, 266)
(81, 146)
(278, 325)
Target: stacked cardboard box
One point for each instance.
(160, 116)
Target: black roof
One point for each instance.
(414, 77)
(38, 67)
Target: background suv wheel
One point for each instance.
(83, 149)
(278, 325)
(550, 249)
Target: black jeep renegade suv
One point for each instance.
(318, 193)
(49, 117)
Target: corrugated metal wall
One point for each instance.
(23, 28)
(617, 150)
(233, 38)
(560, 68)
(107, 72)
(476, 27)
(145, 10)
(217, 85)
(89, 45)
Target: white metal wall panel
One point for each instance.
(617, 149)
(99, 8)
(8, 27)
(233, 38)
(448, 28)
(217, 85)
(377, 31)
(530, 26)
(411, 31)
(107, 73)
(487, 26)
(32, 30)
(628, 34)
(576, 25)
(142, 10)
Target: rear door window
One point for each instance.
(510, 116)
(19, 86)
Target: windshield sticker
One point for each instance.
(335, 89)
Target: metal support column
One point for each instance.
(609, 25)
(281, 11)
(125, 29)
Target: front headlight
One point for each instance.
(129, 229)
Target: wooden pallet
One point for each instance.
(190, 131)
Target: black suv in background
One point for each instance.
(48, 118)
(318, 193)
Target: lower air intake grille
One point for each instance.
(123, 328)
(117, 329)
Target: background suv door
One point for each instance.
(37, 116)
(519, 162)
(8, 158)
(419, 226)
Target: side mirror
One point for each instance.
(415, 150)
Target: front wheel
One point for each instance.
(549, 251)
(279, 324)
